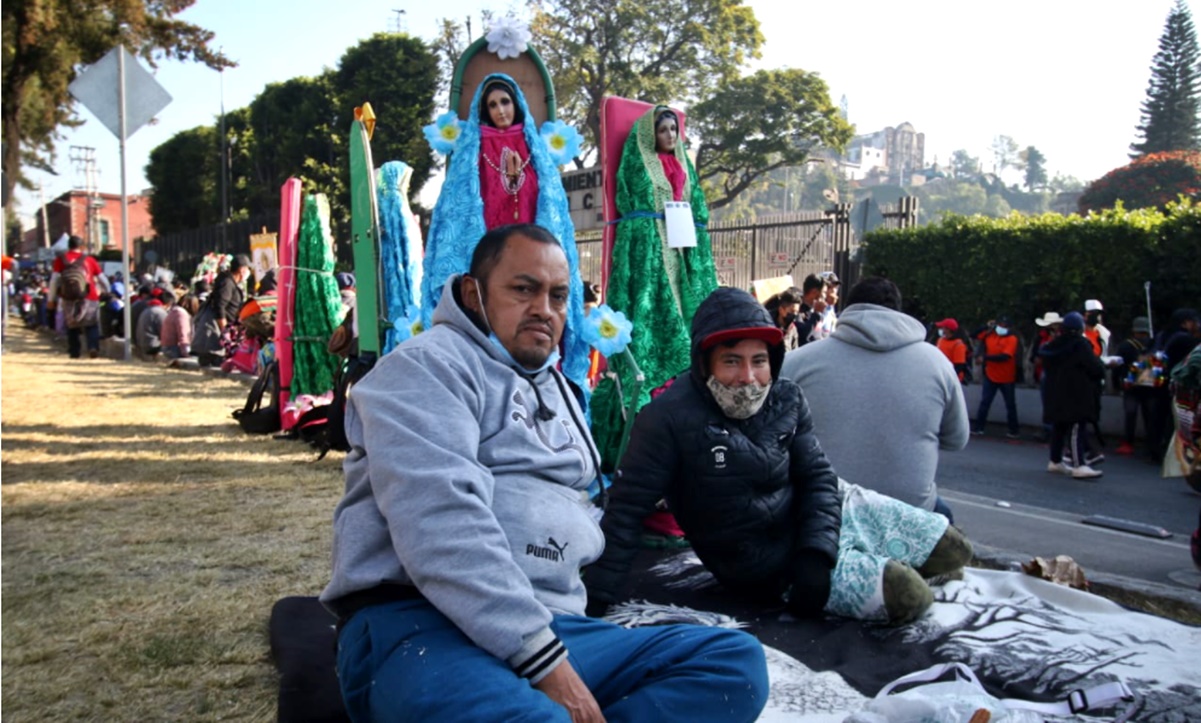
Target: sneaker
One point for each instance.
(1125, 449)
(1085, 472)
(977, 432)
(1013, 435)
(1090, 459)
(1059, 468)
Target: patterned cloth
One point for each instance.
(318, 303)
(656, 287)
(876, 529)
(458, 225)
(400, 249)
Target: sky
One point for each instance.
(1066, 76)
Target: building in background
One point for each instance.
(95, 218)
(893, 155)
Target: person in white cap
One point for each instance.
(1094, 330)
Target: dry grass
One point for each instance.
(145, 538)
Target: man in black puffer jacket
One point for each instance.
(730, 446)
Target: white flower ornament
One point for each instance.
(509, 37)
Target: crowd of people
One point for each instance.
(222, 317)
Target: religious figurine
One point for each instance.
(500, 172)
(508, 185)
(658, 287)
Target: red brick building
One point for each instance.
(69, 214)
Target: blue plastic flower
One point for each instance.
(410, 326)
(444, 133)
(608, 331)
(563, 141)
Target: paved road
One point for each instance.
(1003, 497)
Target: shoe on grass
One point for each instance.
(1085, 472)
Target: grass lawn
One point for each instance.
(145, 538)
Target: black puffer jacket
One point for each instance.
(753, 496)
(1073, 377)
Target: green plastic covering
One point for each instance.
(318, 303)
(656, 287)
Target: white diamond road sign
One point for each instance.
(96, 87)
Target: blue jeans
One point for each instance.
(987, 393)
(405, 661)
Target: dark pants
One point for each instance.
(1072, 436)
(1161, 426)
(987, 394)
(942, 508)
(93, 337)
(1135, 400)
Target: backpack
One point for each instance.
(1147, 370)
(324, 427)
(74, 281)
(253, 417)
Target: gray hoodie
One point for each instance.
(883, 402)
(457, 485)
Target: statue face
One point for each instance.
(500, 108)
(666, 135)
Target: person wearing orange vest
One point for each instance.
(952, 346)
(1000, 349)
(1094, 330)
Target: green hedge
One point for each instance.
(975, 268)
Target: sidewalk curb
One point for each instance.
(1009, 560)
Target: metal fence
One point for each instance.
(181, 251)
(796, 244)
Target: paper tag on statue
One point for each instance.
(681, 232)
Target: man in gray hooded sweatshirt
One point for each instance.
(884, 402)
(466, 520)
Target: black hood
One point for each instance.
(728, 309)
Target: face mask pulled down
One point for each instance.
(551, 360)
(738, 402)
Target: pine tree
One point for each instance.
(1169, 114)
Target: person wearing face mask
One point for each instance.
(952, 347)
(784, 308)
(731, 446)
(466, 521)
(1000, 352)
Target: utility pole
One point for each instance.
(224, 168)
(45, 219)
(84, 158)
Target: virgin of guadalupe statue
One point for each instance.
(501, 172)
(658, 287)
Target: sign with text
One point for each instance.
(584, 196)
(779, 260)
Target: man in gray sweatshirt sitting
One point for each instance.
(884, 402)
(465, 522)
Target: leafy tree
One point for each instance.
(184, 174)
(964, 165)
(1153, 180)
(1065, 184)
(12, 231)
(46, 43)
(753, 125)
(1169, 114)
(1005, 153)
(1033, 163)
(658, 52)
(396, 74)
(299, 128)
